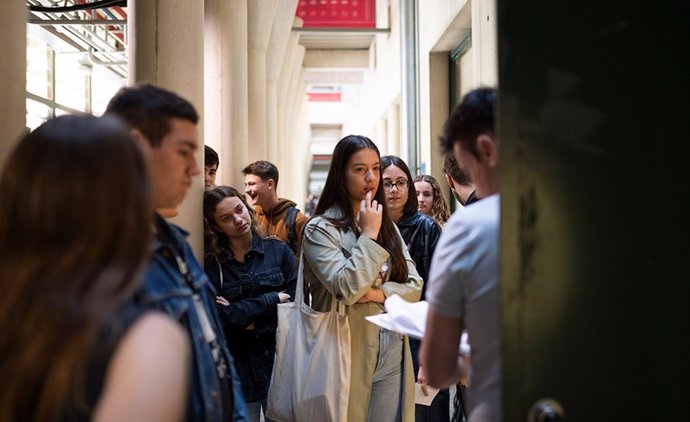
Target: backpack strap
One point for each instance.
(292, 230)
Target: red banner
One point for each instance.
(337, 13)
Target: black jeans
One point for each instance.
(439, 411)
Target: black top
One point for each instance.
(111, 333)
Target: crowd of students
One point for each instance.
(107, 315)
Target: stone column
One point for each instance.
(226, 95)
(260, 18)
(13, 16)
(285, 126)
(166, 48)
(277, 47)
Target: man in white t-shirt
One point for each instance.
(463, 286)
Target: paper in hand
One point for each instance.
(420, 398)
(409, 318)
(403, 317)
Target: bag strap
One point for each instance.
(336, 306)
(299, 292)
(292, 230)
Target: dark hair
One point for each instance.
(263, 169)
(453, 169)
(439, 208)
(149, 109)
(335, 194)
(217, 243)
(474, 116)
(75, 217)
(393, 160)
(210, 157)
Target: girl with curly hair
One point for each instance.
(430, 198)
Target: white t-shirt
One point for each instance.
(463, 283)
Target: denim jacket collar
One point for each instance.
(257, 247)
(163, 250)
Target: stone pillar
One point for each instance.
(277, 47)
(166, 48)
(295, 117)
(260, 18)
(285, 102)
(13, 16)
(226, 95)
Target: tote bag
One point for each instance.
(311, 372)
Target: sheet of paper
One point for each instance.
(382, 320)
(420, 398)
(409, 318)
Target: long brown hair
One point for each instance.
(75, 217)
(216, 242)
(335, 194)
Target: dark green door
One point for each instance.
(593, 125)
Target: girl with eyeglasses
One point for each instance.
(420, 233)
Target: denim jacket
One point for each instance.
(252, 289)
(165, 288)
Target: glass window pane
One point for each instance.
(70, 80)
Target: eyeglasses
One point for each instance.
(400, 184)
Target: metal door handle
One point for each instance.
(546, 410)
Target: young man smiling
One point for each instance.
(277, 217)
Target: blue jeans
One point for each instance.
(385, 402)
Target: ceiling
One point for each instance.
(97, 28)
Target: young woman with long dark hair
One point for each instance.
(354, 254)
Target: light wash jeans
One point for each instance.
(254, 410)
(385, 402)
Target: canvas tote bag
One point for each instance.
(311, 372)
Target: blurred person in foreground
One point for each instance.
(75, 216)
(463, 284)
(459, 181)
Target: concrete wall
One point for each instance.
(443, 25)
